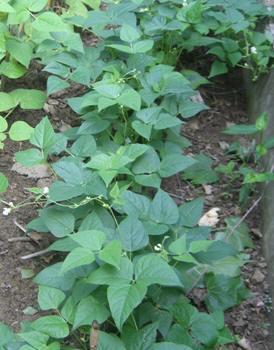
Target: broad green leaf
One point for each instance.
(178, 246)
(142, 129)
(90, 239)
(155, 229)
(143, 46)
(50, 298)
(30, 157)
(109, 341)
(124, 299)
(224, 292)
(3, 124)
(21, 51)
(129, 33)
(37, 5)
(6, 102)
(54, 326)
(123, 48)
(3, 183)
(133, 150)
(173, 163)
(135, 204)
(189, 109)
(60, 223)
(5, 7)
(163, 209)
(68, 310)
(148, 163)
(43, 135)
(77, 257)
(241, 129)
(60, 191)
(57, 68)
(165, 121)
(130, 98)
(12, 70)
(6, 335)
(110, 275)
(133, 235)
(35, 338)
(72, 170)
(152, 180)
(50, 22)
(55, 84)
(169, 346)
(108, 90)
(112, 253)
(20, 131)
(152, 269)
(29, 98)
(51, 277)
(240, 237)
(194, 11)
(208, 251)
(217, 68)
(203, 328)
(63, 245)
(140, 339)
(88, 310)
(191, 212)
(228, 266)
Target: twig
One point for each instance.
(244, 217)
(94, 335)
(33, 255)
(20, 239)
(197, 280)
(19, 226)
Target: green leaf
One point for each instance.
(54, 326)
(21, 51)
(20, 131)
(50, 298)
(6, 335)
(191, 212)
(217, 68)
(133, 234)
(60, 223)
(6, 102)
(208, 251)
(165, 121)
(240, 237)
(194, 11)
(152, 269)
(169, 346)
(43, 135)
(130, 98)
(30, 157)
(203, 328)
(112, 253)
(224, 292)
(88, 310)
(108, 90)
(37, 5)
(51, 277)
(148, 162)
(55, 84)
(110, 275)
(29, 98)
(189, 109)
(241, 129)
(142, 129)
(77, 257)
(12, 69)
(35, 338)
(109, 341)
(90, 239)
(173, 163)
(163, 209)
(60, 191)
(124, 299)
(3, 124)
(140, 339)
(3, 183)
(143, 46)
(5, 7)
(135, 204)
(129, 33)
(152, 180)
(50, 22)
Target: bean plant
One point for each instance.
(129, 256)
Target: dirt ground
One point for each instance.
(250, 320)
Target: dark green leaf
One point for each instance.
(109, 341)
(59, 223)
(112, 253)
(240, 129)
(50, 298)
(149, 162)
(203, 328)
(3, 183)
(90, 239)
(54, 326)
(133, 235)
(30, 157)
(43, 135)
(191, 212)
(77, 257)
(173, 163)
(163, 209)
(217, 68)
(56, 84)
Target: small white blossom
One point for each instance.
(6, 211)
(158, 247)
(253, 50)
(11, 204)
(246, 65)
(45, 190)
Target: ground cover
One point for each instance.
(150, 272)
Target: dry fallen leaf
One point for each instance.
(207, 188)
(244, 344)
(210, 218)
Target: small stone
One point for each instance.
(258, 276)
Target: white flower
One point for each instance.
(158, 247)
(6, 211)
(11, 204)
(253, 50)
(45, 190)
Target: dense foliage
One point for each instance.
(132, 255)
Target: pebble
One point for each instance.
(258, 276)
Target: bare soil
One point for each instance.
(225, 98)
